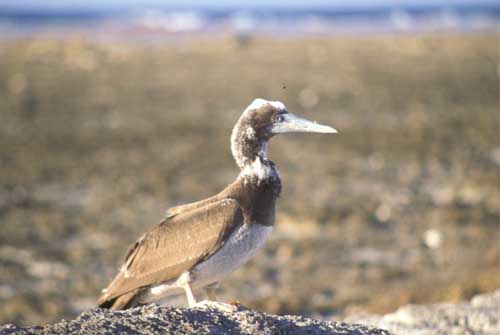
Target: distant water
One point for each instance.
(161, 21)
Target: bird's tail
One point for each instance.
(124, 301)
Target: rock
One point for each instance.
(480, 316)
(155, 319)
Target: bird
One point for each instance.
(197, 245)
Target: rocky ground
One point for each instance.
(98, 139)
(154, 319)
(480, 316)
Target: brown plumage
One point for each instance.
(200, 243)
(158, 255)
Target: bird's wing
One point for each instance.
(176, 245)
(172, 211)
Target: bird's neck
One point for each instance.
(246, 146)
(260, 170)
(250, 154)
(246, 152)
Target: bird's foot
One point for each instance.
(221, 306)
(239, 306)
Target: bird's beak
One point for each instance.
(293, 124)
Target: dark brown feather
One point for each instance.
(166, 251)
(187, 207)
(124, 301)
(192, 233)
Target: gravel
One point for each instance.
(155, 319)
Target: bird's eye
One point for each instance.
(279, 118)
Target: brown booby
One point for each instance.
(199, 244)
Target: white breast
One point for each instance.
(239, 247)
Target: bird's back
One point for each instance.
(184, 238)
(192, 233)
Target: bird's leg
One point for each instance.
(210, 289)
(212, 303)
(189, 294)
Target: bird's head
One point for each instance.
(262, 120)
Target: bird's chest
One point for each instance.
(259, 200)
(239, 247)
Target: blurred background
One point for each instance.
(112, 112)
